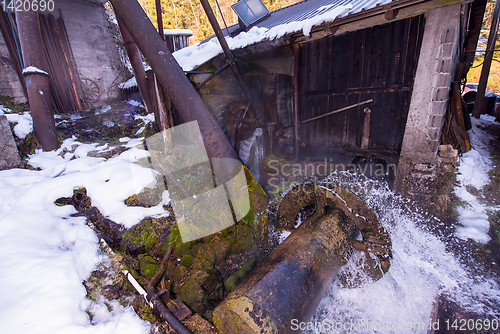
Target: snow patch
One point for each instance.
(135, 103)
(176, 32)
(103, 109)
(33, 70)
(473, 171)
(24, 124)
(46, 253)
(130, 83)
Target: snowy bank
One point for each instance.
(473, 171)
(45, 253)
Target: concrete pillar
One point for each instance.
(416, 174)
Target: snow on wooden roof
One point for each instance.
(299, 17)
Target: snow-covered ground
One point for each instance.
(45, 253)
(473, 171)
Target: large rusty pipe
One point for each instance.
(37, 82)
(177, 86)
(287, 287)
(137, 66)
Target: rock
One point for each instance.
(187, 260)
(198, 325)
(9, 156)
(148, 266)
(447, 154)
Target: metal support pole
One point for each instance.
(37, 82)
(159, 19)
(227, 52)
(488, 57)
(295, 87)
(177, 86)
(137, 66)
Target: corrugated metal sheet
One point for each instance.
(308, 9)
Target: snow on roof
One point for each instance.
(301, 16)
(132, 82)
(175, 32)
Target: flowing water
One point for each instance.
(422, 269)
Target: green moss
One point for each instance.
(148, 265)
(202, 264)
(187, 260)
(233, 280)
(146, 313)
(494, 218)
(185, 248)
(144, 233)
(8, 102)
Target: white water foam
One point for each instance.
(421, 270)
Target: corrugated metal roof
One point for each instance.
(309, 9)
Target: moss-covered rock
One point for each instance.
(187, 260)
(148, 265)
(233, 280)
(145, 233)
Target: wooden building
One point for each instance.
(389, 64)
(81, 54)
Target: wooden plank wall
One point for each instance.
(377, 63)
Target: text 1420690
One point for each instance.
(28, 5)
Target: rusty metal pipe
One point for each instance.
(39, 95)
(137, 66)
(177, 86)
(290, 283)
(286, 288)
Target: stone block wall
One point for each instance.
(9, 81)
(417, 167)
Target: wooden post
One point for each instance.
(295, 88)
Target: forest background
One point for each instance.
(189, 14)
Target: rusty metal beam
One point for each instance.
(137, 66)
(488, 57)
(177, 86)
(227, 52)
(296, 90)
(159, 19)
(37, 82)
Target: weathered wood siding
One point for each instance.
(377, 63)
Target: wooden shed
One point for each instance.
(80, 51)
(370, 82)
